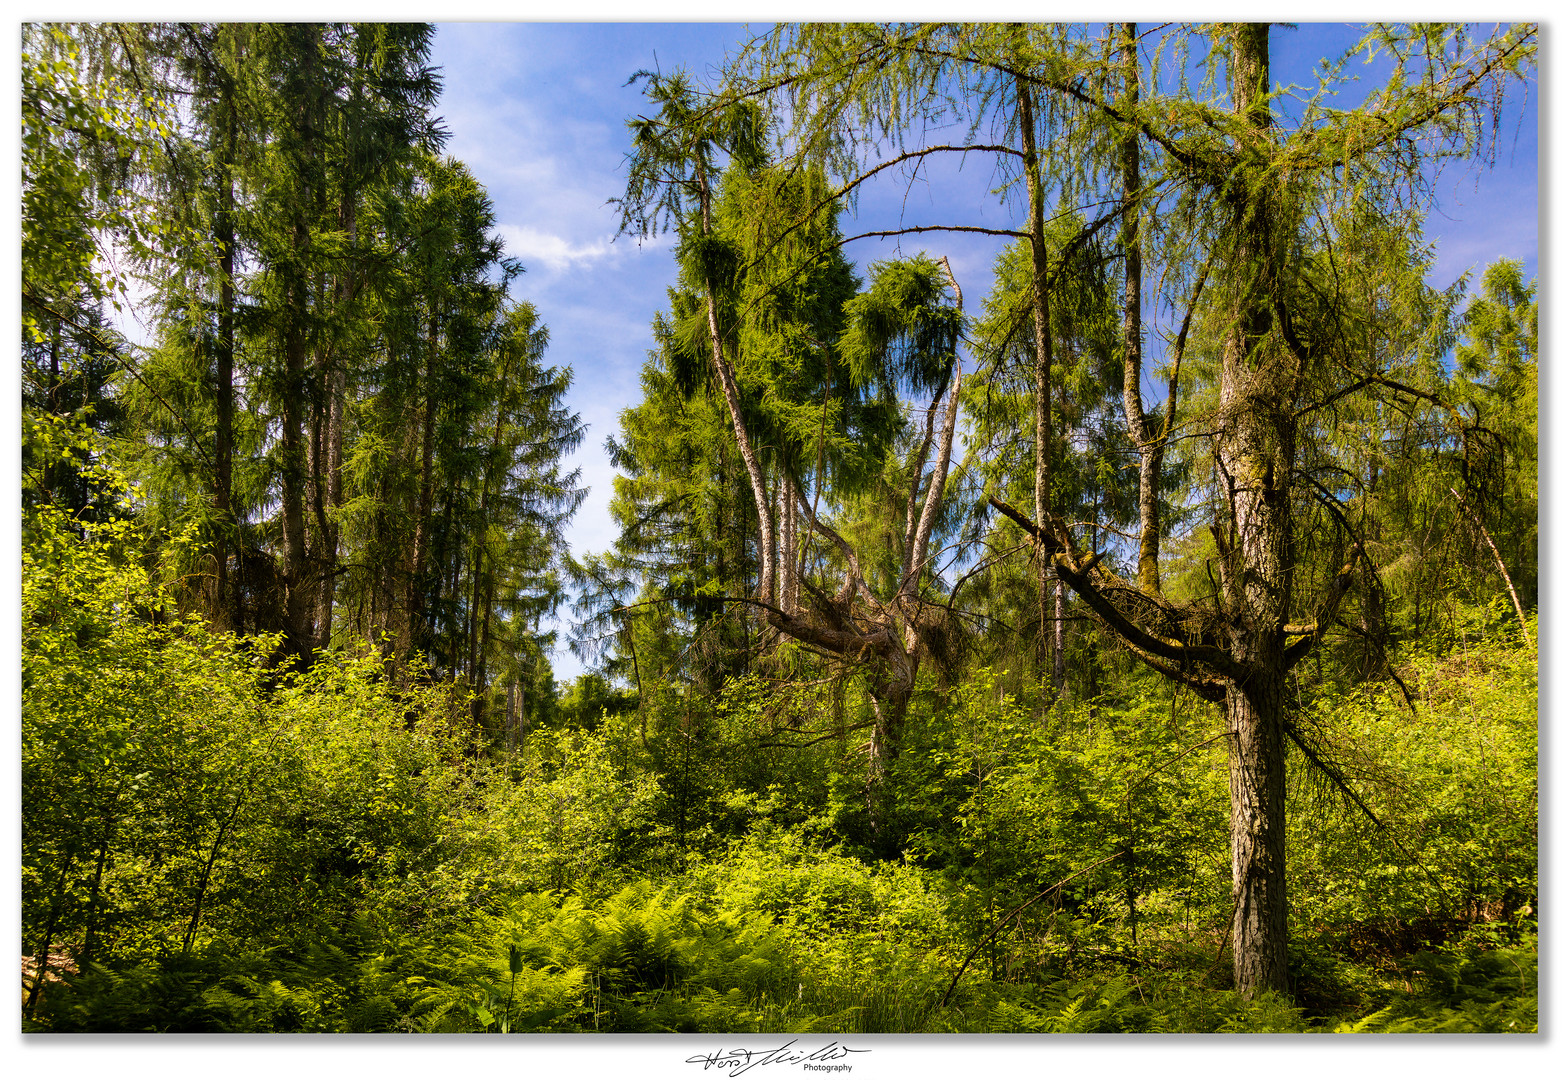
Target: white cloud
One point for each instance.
(532, 245)
(535, 247)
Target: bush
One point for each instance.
(1455, 784)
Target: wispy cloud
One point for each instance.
(536, 247)
(532, 245)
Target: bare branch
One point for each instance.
(1076, 574)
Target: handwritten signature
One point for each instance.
(740, 1061)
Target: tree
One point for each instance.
(85, 130)
(1496, 382)
(322, 284)
(1272, 362)
(1086, 471)
(517, 503)
(454, 490)
(902, 332)
(684, 511)
(1248, 189)
(345, 105)
(88, 132)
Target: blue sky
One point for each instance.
(538, 110)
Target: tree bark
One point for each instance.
(730, 395)
(483, 590)
(51, 472)
(421, 522)
(1042, 327)
(1256, 777)
(334, 384)
(787, 544)
(297, 571)
(1058, 650)
(1140, 426)
(224, 230)
(1255, 451)
(296, 565)
(891, 696)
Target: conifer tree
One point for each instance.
(1246, 187)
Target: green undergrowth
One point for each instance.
(766, 941)
(210, 846)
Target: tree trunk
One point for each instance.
(335, 386)
(52, 473)
(1140, 427)
(1256, 776)
(328, 592)
(730, 395)
(521, 717)
(324, 487)
(89, 948)
(41, 950)
(787, 545)
(421, 522)
(1058, 639)
(296, 569)
(296, 561)
(1374, 620)
(1255, 449)
(1042, 329)
(891, 696)
(917, 554)
(224, 229)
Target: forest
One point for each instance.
(1146, 644)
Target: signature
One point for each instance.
(739, 1061)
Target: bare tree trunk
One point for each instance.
(730, 394)
(328, 481)
(1257, 790)
(1042, 327)
(335, 386)
(224, 230)
(421, 522)
(1255, 451)
(51, 472)
(297, 571)
(1058, 638)
(1476, 522)
(296, 574)
(1140, 426)
(787, 544)
(521, 717)
(891, 696)
(510, 716)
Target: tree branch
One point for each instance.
(1324, 614)
(1076, 574)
